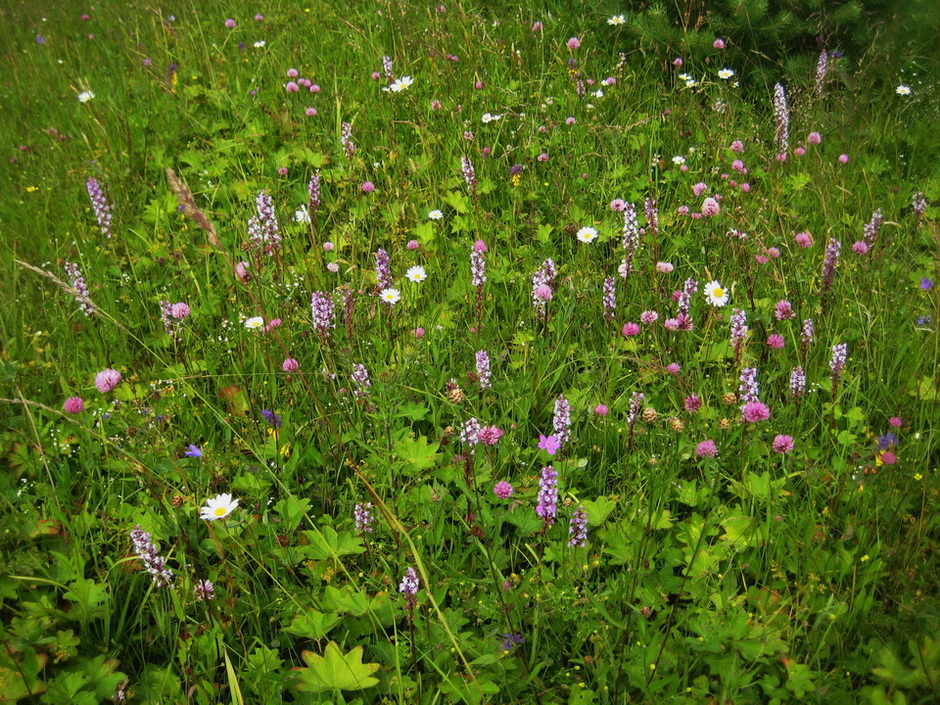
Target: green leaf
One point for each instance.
(335, 671)
(456, 200)
(417, 453)
(313, 624)
(598, 510)
(327, 543)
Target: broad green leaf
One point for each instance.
(598, 510)
(335, 670)
(327, 543)
(313, 624)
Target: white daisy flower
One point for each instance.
(436, 214)
(218, 507)
(401, 84)
(254, 322)
(586, 234)
(598, 93)
(617, 19)
(390, 296)
(416, 274)
(678, 161)
(487, 117)
(716, 294)
(85, 96)
(302, 215)
(903, 90)
(259, 44)
(725, 73)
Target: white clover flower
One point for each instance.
(488, 117)
(678, 161)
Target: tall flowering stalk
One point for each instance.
(782, 120)
(821, 67)
(79, 289)
(872, 227)
(919, 204)
(636, 402)
(738, 332)
(830, 263)
(630, 240)
(364, 518)
(547, 507)
(797, 382)
(263, 229)
(345, 138)
(469, 175)
(748, 389)
(360, 375)
(150, 557)
(578, 528)
(387, 68)
(348, 305)
(313, 189)
(652, 223)
(542, 282)
(752, 408)
(169, 321)
(470, 433)
(683, 318)
(383, 269)
(807, 336)
(323, 313)
(561, 419)
(478, 275)
(100, 205)
(409, 587)
(840, 353)
(610, 298)
(483, 369)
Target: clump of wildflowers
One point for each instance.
(79, 289)
(263, 228)
(360, 375)
(578, 528)
(782, 120)
(409, 587)
(100, 204)
(561, 422)
(346, 139)
(547, 507)
(323, 313)
(364, 518)
(830, 263)
(483, 369)
(150, 557)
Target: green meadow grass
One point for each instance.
(748, 575)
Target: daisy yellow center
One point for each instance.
(220, 511)
(718, 292)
